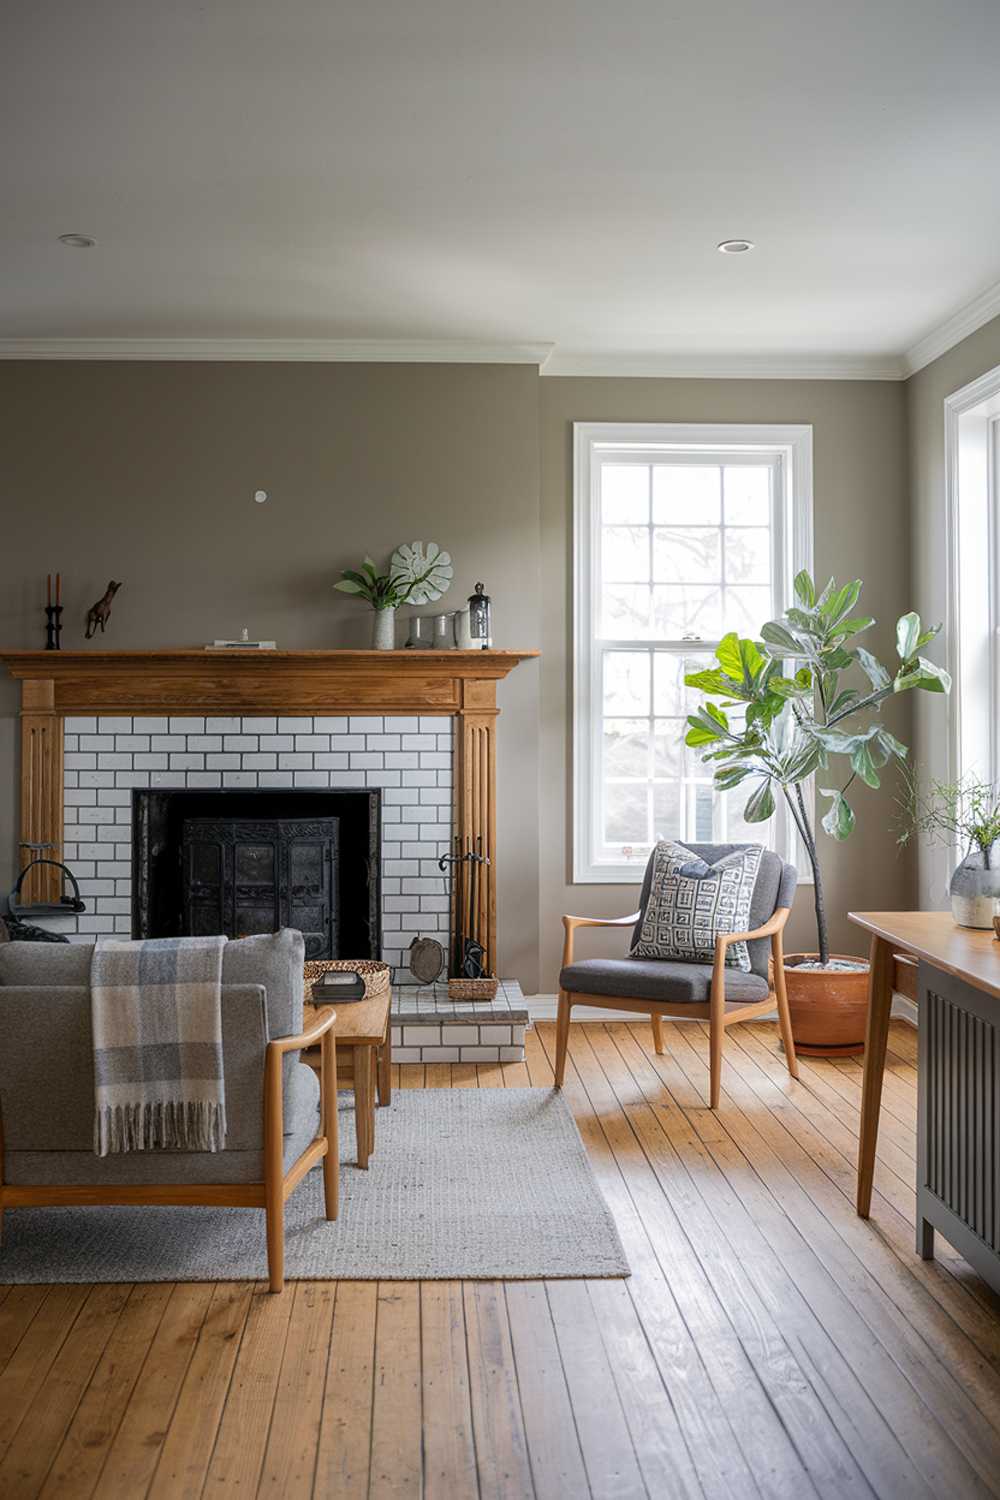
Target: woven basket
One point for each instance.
(374, 973)
(472, 989)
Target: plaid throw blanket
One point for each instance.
(156, 1008)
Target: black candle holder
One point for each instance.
(53, 626)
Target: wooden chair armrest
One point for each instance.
(572, 923)
(324, 1020)
(274, 1105)
(771, 927)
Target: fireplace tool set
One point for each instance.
(469, 980)
(14, 921)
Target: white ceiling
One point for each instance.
(505, 172)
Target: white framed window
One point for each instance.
(972, 466)
(681, 534)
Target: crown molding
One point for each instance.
(953, 330)
(727, 366)
(316, 351)
(550, 360)
(442, 351)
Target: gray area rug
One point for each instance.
(465, 1184)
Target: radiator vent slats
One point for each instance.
(963, 1114)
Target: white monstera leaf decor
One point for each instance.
(426, 568)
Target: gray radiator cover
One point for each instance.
(958, 1157)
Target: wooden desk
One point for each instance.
(363, 1030)
(958, 1073)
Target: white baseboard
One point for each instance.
(543, 1008)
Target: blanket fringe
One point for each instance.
(164, 1125)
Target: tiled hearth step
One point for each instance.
(428, 1027)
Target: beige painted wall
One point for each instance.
(146, 472)
(861, 530)
(926, 392)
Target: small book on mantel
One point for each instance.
(337, 986)
(243, 645)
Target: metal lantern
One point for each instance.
(480, 619)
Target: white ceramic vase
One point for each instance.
(975, 892)
(384, 630)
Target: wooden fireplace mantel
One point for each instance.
(461, 684)
(150, 682)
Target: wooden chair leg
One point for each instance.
(330, 1126)
(274, 1173)
(657, 1034)
(274, 1211)
(784, 1014)
(716, 1032)
(716, 1026)
(562, 1036)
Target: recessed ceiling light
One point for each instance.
(78, 241)
(735, 247)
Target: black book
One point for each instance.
(337, 986)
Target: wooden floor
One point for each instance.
(768, 1343)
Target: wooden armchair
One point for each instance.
(665, 987)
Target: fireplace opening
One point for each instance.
(241, 862)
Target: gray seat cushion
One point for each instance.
(656, 979)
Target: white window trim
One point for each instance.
(793, 442)
(985, 393)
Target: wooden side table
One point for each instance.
(362, 1031)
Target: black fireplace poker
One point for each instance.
(467, 952)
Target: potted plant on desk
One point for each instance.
(962, 813)
(798, 714)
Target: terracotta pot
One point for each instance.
(829, 1011)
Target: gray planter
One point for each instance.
(975, 891)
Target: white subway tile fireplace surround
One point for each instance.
(408, 757)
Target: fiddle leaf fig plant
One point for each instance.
(806, 698)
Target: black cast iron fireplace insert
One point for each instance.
(245, 861)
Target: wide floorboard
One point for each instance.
(768, 1343)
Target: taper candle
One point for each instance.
(58, 588)
(48, 594)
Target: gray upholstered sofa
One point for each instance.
(668, 987)
(273, 1101)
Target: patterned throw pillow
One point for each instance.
(690, 903)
